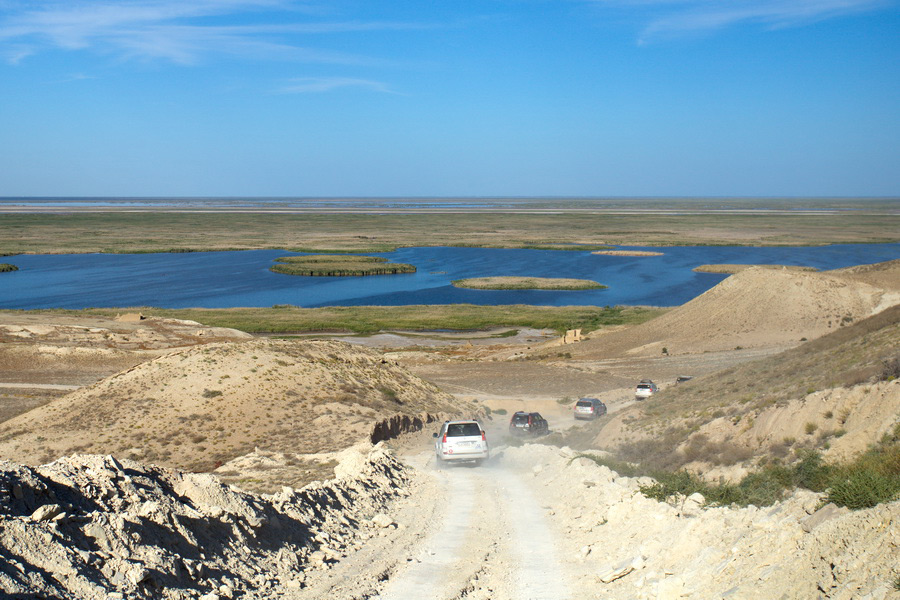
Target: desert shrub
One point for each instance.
(671, 485)
(811, 472)
(890, 369)
(869, 480)
(621, 467)
(499, 411)
(389, 394)
(699, 448)
(810, 428)
(863, 488)
(211, 393)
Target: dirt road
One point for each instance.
(466, 532)
(490, 538)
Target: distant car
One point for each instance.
(532, 423)
(645, 389)
(589, 408)
(460, 441)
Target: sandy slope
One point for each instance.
(756, 308)
(42, 349)
(201, 406)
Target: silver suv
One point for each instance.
(645, 389)
(460, 441)
(589, 408)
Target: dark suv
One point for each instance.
(523, 423)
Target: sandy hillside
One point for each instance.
(837, 393)
(757, 307)
(44, 355)
(203, 406)
(885, 275)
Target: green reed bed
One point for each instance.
(6, 268)
(372, 319)
(338, 265)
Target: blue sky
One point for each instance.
(450, 98)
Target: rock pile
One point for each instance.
(95, 527)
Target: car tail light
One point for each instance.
(483, 438)
(444, 441)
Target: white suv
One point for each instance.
(460, 441)
(645, 389)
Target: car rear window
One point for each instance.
(644, 386)
(585, 403)
(519, 419)
(463, 430)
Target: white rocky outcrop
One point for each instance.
(94, 527)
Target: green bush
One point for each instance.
(863, 489)
(869, 480)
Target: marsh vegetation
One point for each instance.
(338, 265)
(372, 319)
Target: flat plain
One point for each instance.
(527, 223)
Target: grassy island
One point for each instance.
(338, 265)
(6, 268)
(527, 283)
(731, 269)
(627, 253)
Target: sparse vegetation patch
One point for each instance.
(627, 253)
(7, 268)
(527, 283)
(731, 269)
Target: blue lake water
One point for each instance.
(228, 279)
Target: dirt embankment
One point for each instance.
(754, 308)
(623, 545)
(200, 407)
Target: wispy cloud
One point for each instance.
(675, 18)
(180, 31)
(312, 85)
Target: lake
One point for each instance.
(229, 279)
